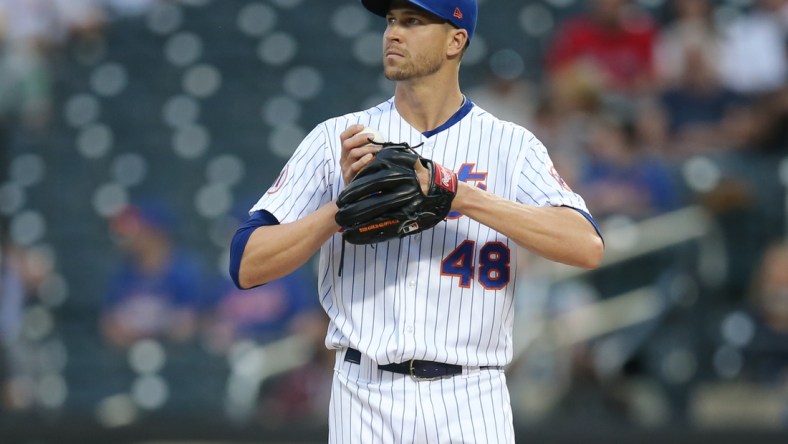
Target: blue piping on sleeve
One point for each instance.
(590, 219)
(241, 237)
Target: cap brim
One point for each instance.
(377, 7)
(381, 8)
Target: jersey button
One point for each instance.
(409, 329)
(412, 284)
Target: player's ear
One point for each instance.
(458, 38)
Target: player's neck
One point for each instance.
(427, 105)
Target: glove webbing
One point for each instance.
(383, 145)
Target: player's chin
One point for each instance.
(395, 74)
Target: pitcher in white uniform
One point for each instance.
(422, 325)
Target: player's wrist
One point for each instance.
(467, 198)
(331, 209)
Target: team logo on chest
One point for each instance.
(466, 174)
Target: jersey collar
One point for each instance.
(462, 112)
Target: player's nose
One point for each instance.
(392, 34)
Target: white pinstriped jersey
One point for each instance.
(446, 294)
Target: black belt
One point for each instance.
(415, 368)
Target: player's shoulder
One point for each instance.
(483, 116)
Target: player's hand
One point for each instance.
(423, 174)
(399, 193)
(357, 151)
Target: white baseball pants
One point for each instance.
(374, 406)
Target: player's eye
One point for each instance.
(405, 21)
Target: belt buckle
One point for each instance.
(419, 378)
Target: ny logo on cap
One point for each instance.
(457, 13)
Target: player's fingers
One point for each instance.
(348, 142)
(357, 140)
(423, 174)
(350, 131)
(355, 147)
(360, 164)
(353, 138)
(351, 157)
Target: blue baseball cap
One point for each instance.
(460, 13)
(150, 214)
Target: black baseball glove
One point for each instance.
(385, 200)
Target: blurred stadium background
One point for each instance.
(107, 106)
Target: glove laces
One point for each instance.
(385, 145)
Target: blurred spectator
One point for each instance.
(258, 316)
(697, 107)
(262, 314)
(651, 128)
(504, 93)
(46, 24)
(742, 196)
(25, 92)
(30, 23)
(768, 350)
(563, 116)
(691, 30)
(612, 39)
(300, 396)
(573, 367)
(619, 178)
(754, 54)
(155, 292)
(12, 299)
(80, 18)
(754, 355)
(771, 114)
(30, 33)
(507, 99)
(22, 271)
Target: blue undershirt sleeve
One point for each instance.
(241, 237)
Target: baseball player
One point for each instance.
(421, 322)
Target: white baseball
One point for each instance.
(373, 134)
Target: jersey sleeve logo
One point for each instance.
(559, 179)
(280, 181)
